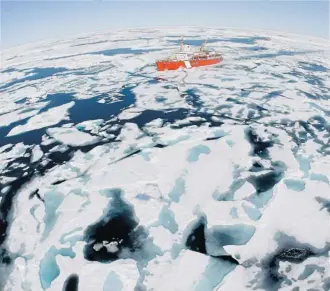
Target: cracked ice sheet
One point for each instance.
(185, 139)
(147, 97)
(44, 119)
(216, 180)
(103, 176)
(129, 113)
(10, 76)
(87, 88)
(74, 198)
(33, 95)
(9, 118)
(15, 151)
(66, 47)
(94, 276)
(240, 279)
(90, 125)
(310, 274)
(294, 213)
(189, 271)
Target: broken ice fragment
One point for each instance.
(112, 247)
(98, 246)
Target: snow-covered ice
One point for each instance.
(50, 117)
(114, 176)
(72, 136)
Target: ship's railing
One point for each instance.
(174, 58)
(207, 57)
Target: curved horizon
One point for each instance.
(60, 20)
(77, 35)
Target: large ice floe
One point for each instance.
(114, 176)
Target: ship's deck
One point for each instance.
(194, 57)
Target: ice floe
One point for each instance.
(72, 136)
(50, 117)
(115, 176)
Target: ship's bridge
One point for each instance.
(187, 48)
(185, 52)
(183, 55)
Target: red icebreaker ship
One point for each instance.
(188, 58)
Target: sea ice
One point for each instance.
(232, 165)
(178, 190)
(112, 283)
(44, 119)
(296, 185)
(72, 136)
(36, 154)
(252, 211)
(53, 200)
(9, 118)
(220, 236)
(195, 152)
(199, 267)
(48, 269)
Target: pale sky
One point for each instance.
(29, 21)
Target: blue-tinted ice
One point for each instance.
(178, 190)
(53, 200)
(295, 184)
(196, 151)
(48, 269)
(112, 283)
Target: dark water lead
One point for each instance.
(71, 283)
(217, 237)
(196, 239)
(259, 145)
(38, 73)
(265, 182)
(116, 234)
(82, 110)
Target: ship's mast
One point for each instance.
(181, 44)
(203, 45)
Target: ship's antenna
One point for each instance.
(181, 44)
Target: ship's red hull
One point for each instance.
(174, 65)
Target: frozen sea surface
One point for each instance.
(114, 176)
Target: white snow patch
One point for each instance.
(44, 119)
(72, 136)
(36, 154)
(9, 118)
